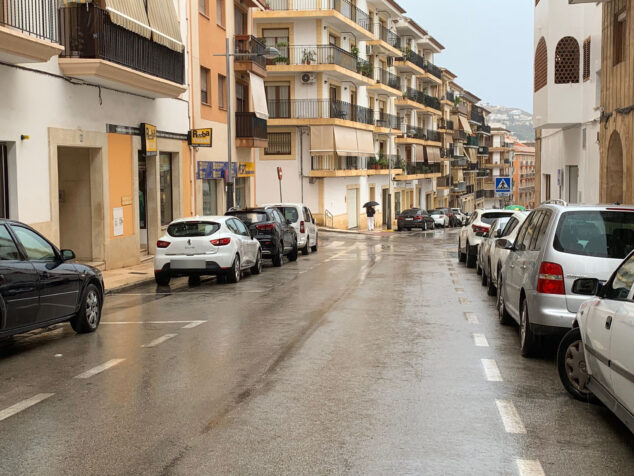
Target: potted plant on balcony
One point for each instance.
(355, 51)
(383, 162)
(372, 163)
(267, 5)
(308, 56)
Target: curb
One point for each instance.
(126, 287)
(352, 232)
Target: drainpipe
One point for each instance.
(190, 111)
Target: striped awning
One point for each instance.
(70, 2)
(164, 23)
(129, 14)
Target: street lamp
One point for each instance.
(268, 53)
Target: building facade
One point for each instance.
(568, 77)
(523, 175)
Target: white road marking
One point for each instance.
(189, 325)
(335, 244)
(160, 340)
(99, 368)
(471, 318)
(529, 467)
(480, 340)
(23, 405)
(341, 253)
(491, 370)
(193, 324)
(510, 418)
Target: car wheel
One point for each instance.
(314, 247)
(398, 228)
(478, 267)
(292, 256)
(503, 316)
(462, 257)
(571, 365)
(471, 257)
(194, 280)
(306, 248)
(234, 274)
(277, 257)
(221, 278)
(89, 314)
(162, 278)
(485, 278)
(491, 289)
(528, 340)
(257, 267)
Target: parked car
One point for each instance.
(41, 285)
(274, 232)
(488, 240)
(302, 220)
(471, 234)
(441, 217)
(415, 218)
(206, 246)
(498, 255)
(461, 217)
(596, 357)
(556, 245)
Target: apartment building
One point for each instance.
(566, 104)
(617, 98)
(94, 122)
(523, 178)
(498, 162)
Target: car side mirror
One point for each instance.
(586, 286)
(505, 244)
(68, 255)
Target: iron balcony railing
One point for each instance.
(476, 116)
(446, 152)
(87, 32)
(346, 8)
(444, 181)
(386, 35)
(35, 18)
(383, 76)
(432, 69)
(459, 162)
(470, 188)
(385, 161)
(445, 124)
(319, 109)
(472, 141)
(420, 168)
(483, 150)
(450, 96)
(247, 44)
(484, 129)
(422, 98)
(383, 119)
(322, 54)
(412, 57)
(420, 133)
(483, 173)
(460, 135)
(250, 126)
(380, 162)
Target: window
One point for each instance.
(307, 215)
(619, 37)
(279, 143)
(277, 216)
(619, 288)
(222, 92)
(240, 21)
(165, 177)
(510, 226)
(192, 229)
(541, 65)
(220, 13)
(250, 218)
(242, 97)
(277, 98)
(204, 85)
(210, 197)
(202, 7)
(8, 250)
(567, 61)
(542, 231)
(586, 59)
(232, 225)
(290, 213)
(36, 247)
(242, 229)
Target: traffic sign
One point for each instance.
(503, 186)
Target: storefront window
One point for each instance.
(241, 192)
(165, 163)
(210, 197)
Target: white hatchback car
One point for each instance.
(301, 219)
(471, 234)
(207, 245)
(440, 216)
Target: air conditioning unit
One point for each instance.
(309, 78)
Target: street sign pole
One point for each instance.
(279, 179)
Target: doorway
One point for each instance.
(142, 173)
(386, 206)
(210, 197)
(573, 184)
(353, 208)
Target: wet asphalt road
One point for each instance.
(376, 355)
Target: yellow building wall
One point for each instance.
(121, 182)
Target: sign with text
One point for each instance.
(503, 186)
(148, 139)
(209, 170)
(200, 137)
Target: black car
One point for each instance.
(41, 285)
(414, 218)
(276, 235)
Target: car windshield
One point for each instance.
(438, 211)
(250, 218)
(412, 212)
(290, 213)
(501, 223)
(192, 228)
(599, 233)
(490, 217)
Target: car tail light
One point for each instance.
(479, 229)
(551, 279)
(400, 218)
(162, 244)
(267, 226)
(301, 227)
(221, 242)
(418, 217)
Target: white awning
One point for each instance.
(322, 140)
(131, 15)
(346, 141)
(258, 96)
(365, 141)
(164, 22)
(471, 154)
(465, 124)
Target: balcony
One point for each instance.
(413, 58)
(99, 51)
(341, 12)
(387, 41)
(476, 116)
(386, 82)
(309, 109)
(460, 187)
(483, 151)
(446, 181)
(483, 173)
(419, 170)
(312, 59)
(472, 141)
(387, 121)
(251, 131)
(330, 166)
(450, 96)
(250, 45)
(460, 135)
(484, 129)
(421, 98)
(446, 153)
(460, 162)
(28, 31)
(445, 124)
(412, 134)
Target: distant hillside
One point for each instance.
(519, 122)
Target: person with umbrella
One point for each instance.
(370, 212)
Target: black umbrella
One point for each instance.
(371, 204)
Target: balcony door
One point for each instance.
(278, 98)
(277, 38)
(335, 105)
(240, 20)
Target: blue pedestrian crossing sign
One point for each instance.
(503, 186)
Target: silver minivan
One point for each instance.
(556, 245)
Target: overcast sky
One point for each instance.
(488, 44)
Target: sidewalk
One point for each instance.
(377, 231)
(122, 278)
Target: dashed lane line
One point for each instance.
(491, 370)
(471, 317)
(100, 368)
(23, 405)
(193, 324)
(510, 418)
(529, 467)
(480, 340)
(159, 340)
(341, 253)
(189, 324)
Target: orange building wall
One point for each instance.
(121, 181)
(211, 39)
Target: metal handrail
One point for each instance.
(332, 218)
